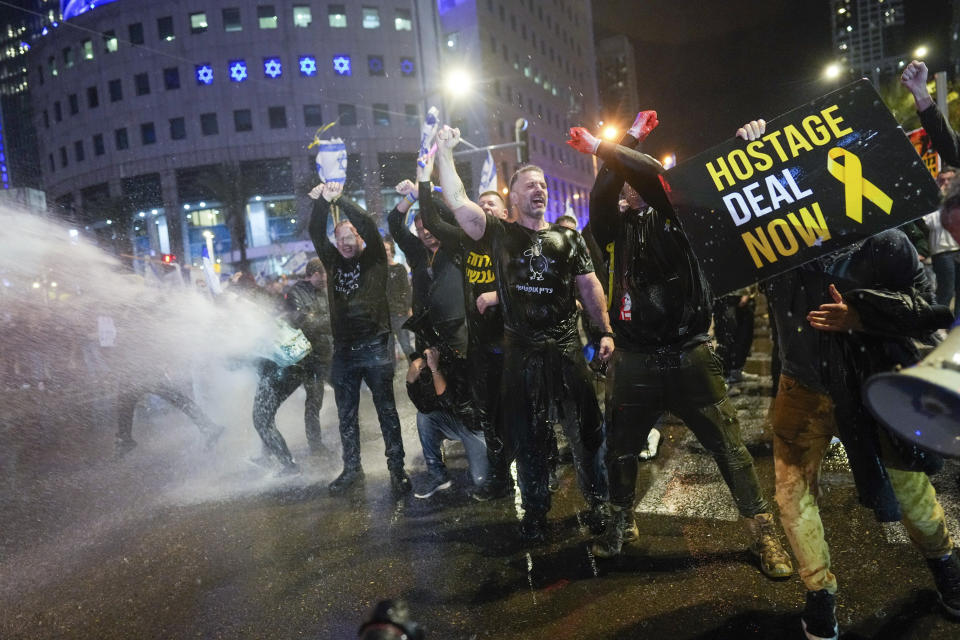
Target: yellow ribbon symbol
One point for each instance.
(320, 132)
(856, 187)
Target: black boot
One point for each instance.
(399, 480)
(946, 575)
(621, 528)
(349, 478)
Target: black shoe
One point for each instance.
(437, 480)
(533, 531)
(621, 528)
(492, 490)
(400, 481)
(819, 617)
(350, 477)
(597, 518)
(946, 575)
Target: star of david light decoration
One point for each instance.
(341, 64)
(406, 66)
(272, 68)
(204, 73)
(375, 63)
(308, 66)
(238, 70)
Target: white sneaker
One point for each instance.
(653, 445)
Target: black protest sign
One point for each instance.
(825, 175)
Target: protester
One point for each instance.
(398, 298)
(360, 323)
(567, 221)
(733, 319)
(944, 250)
(662, 315)
(540, 269)
(842, 318)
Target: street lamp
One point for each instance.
(832, 71)
(458, 83)
(921, 52)
(610, 132)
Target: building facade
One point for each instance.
(868, 35)
(617, 81)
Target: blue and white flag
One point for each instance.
(488, 175)
(210, 273)
(332, 160)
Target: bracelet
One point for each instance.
(608, 334)
(410, 198)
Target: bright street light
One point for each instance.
(832, 72)
(610, 132)
(458, 82)
(921, 52)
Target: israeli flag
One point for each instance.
(209, 273)
(332, 160)
(488, 175)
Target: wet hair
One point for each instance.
(493, 193)
(314, 266)
(951, 199)
(527, 168)
(568, 218)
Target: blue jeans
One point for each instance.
(371, 362)
(946, 267)
(433, 427)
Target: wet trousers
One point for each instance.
(689, 384)
(276, 384)
(130, 395)
(485, 369)
(803, 425)
(436, 426)
(733, 327)
(535, 381)
(371, 362)
(403, 337)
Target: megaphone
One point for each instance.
(921, 404)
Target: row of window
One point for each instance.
(242, 122)
(267, 18)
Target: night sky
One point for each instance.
(707, 67)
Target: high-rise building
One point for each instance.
(868, 35)
(617, 80)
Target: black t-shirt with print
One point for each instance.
(537, 278)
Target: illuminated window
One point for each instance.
(98, 147)
(148, 134)
(242, 120)
(302, 16)
(238, 70)
(67, 57)
(165, 28)
(272, 68)
(204, 74)
(308, 66)
(198, 22)
(267, 16)
(142, 83)
(371, 18)
(110, 42)
(208, 124)
(312, 115)
(381, 114)
(452, 40)
(407, 67)
(120, 139)
(403, 22)
(347, 115)
(87, 48)
(337, 16)
(277, 117)
(52, 66)
(341, 65)
(178, 128)
(231, 20)
(375, 65)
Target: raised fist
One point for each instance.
(406, 187)
(645, 123)
(331, 190)
(316, 191)
(914, 77)
(447, 139)
(752, 130)
(582, 140)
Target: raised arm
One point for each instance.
(605, 200)
(470, 216)
(318, 226)
(396, 222)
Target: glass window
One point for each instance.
(337, 16)
(67, 57)
(231, 19)
(312, 115)
(242, 120)
(135, 33)
(78, 150)
(267, 16)
(178, 128)
(98, 147)
(452, 40)
(148, 134)
(46, 119)
(52, 66)
(93, 97)
(171, 78)
(302, 16)
(411, 113)
(87, 48)
(53, 166)
(375, 65)
(110, 42)
(165, 28)
(403, 22)
(198, 22)
(116, 90)
(120, 139)
(371, 18)
(57, 111)
(142, 83)
(381, 114)
(63, 156)
(347, 114)
(74, 103)
(277, 117)
(208, 124)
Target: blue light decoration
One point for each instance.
(407, 67)
(238, 70)
(272, 67)
(375, 65)
(341, 64)
(204, 73)
(308, 66)
(73, 8)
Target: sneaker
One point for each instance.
(400, 481)
(350, 477)
(775, 562)
(819, 617)
(946, 575)
(621, 528)
(492, 490)
(653, 445)
(437, 480)
(533, 530)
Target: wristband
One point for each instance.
(410, 198)
(608, 334)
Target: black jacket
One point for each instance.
(309, 311)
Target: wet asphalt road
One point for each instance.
(175, 542)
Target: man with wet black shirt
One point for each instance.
(540, 268)
(360, 322)
(661, 312)
(398, 298)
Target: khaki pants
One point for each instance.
(803, 425)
